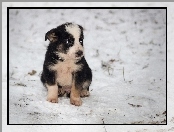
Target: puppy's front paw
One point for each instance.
(76, 101)
(52, 99)
(52, 94)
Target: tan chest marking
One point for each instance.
(64, 72)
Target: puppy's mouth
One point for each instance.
(78, 58)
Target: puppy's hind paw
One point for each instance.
(84, 93)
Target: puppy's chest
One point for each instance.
(64, 72)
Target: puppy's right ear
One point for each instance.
(51, 35)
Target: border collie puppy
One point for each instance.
(65, 69)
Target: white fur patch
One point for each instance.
(75, 31)
(64, 71)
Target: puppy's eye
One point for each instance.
(81, 41)
(69, 42)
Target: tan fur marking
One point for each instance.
(86, 84)
(52, 93)
(64, 72)
(52, 37)
(75, 96)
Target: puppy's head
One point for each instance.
(68, 39)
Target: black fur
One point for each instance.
(84, 74)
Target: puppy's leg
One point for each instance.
(75, 95)
(52, 93)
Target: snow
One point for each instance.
(126, 50)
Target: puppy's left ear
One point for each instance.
(51, 35)
(81, 27)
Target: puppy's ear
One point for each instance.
(51, 35)
(81, 27)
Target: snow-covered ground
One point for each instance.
(126, 50)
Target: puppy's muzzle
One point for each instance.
(79, 53)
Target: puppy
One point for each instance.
(65, 69)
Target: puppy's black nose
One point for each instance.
(79, 53)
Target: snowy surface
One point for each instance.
(126, 50)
